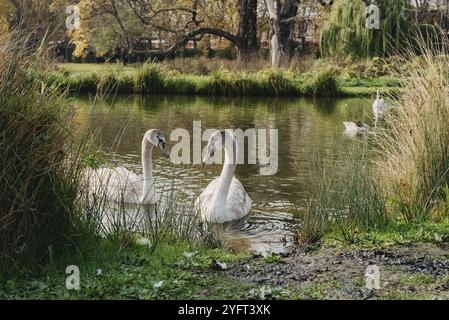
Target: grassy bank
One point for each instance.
(173, 271)
(395, 234)
(178, 271)
(155, 78)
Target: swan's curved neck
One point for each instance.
(147, 165)
(227, 173)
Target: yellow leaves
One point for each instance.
(82, 37)
(6, 10)
(6, 7)
(80, 41)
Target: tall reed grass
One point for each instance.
(415, 143)
(345, 198)
(38, 189)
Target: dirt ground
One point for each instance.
(419, 271)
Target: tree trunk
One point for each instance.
(247, 31)
(282, 14)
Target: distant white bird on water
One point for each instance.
(379, 107)
(354, 128)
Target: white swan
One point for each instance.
(121, 185)
(354, 128)
(225, 198)
(379, 107)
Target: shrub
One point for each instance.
(221, 82)
(150, 78)
(278, 81)
(323, 84)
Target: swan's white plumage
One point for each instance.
(238, 203)
(122, 185)
(117, 184)
(379, 106)
(224, 199)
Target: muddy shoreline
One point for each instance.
(416, 271)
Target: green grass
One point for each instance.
(380, 82)
(319, 290)
(96, 68)
(367, 87)
(272, 258)
(418, 279)
(370, 91)
(160, 79)
(395, 234)
(132, 273)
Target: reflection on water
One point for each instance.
(307, 130)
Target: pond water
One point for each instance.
(308, 130)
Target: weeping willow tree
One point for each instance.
(345, 33)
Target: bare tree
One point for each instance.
(192, 29)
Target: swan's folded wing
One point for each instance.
(238, 202)
(118, 184)
(206, 197)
